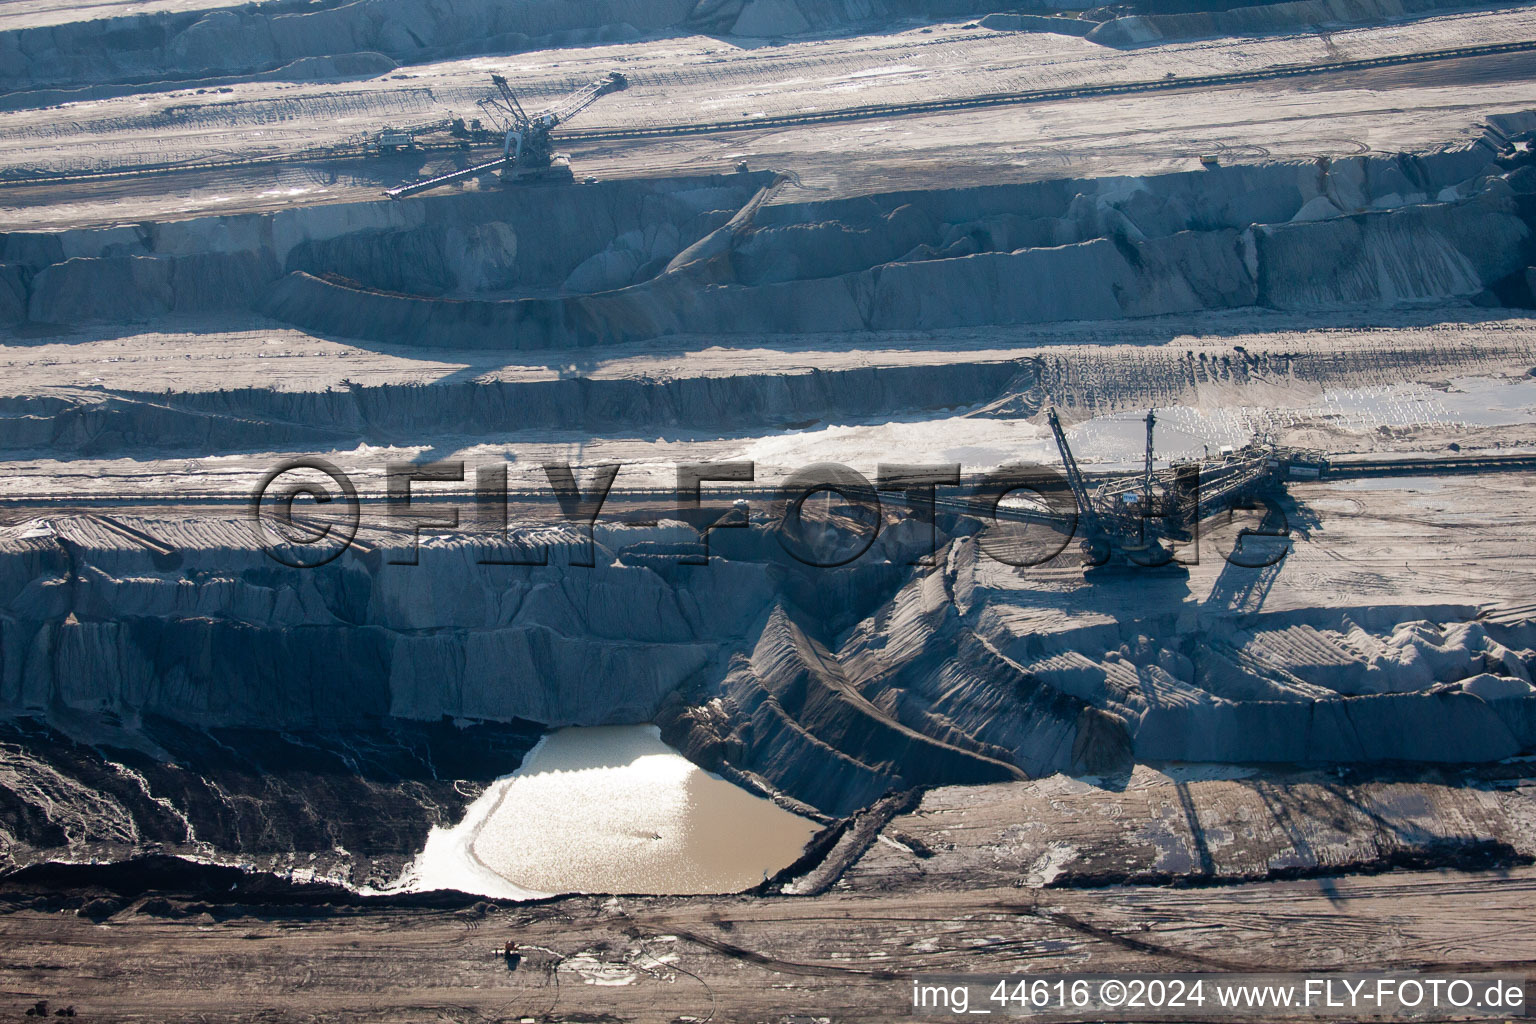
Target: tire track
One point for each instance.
(882, 111)
(886, 110)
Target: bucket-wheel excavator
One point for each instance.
(1119, 526)
(1137, 519)
(527, 149)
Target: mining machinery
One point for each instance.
(443, 133)
(390, 139)
(527, 148)
(1138, 519)
(1124, 523)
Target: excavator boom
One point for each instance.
(509, 100)
(584, 97)
(1075, 479)
(527, 140)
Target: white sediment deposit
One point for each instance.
(610, 810)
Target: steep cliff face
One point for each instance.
(994, 679)
(1418, 252)
(351, 803)
(165, 686)
(101, 422)
(217, 634)
(619, 262)
(800, 722)
(162, 644)
(189, 619)
(138, 287)
(256, 37)
(1059, 251)
(437, 247)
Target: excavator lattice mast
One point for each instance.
(1074, 475)
(1146, 478)
(509, 98)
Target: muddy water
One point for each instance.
(614, 809)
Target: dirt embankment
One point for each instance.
(167, 682)
(327, 38)
(1392, 230)
(1260, 19)
(628, 261)
(827, 723)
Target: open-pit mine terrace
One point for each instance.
(849, 113)
(227, 766)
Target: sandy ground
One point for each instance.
(197, 355)
(844, 956)
(1417, 543)
(1384, 388)
(1139, 135)
(1215, 821)
(702, 80)
(697, 80)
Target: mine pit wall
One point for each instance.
(369, 37)
(197, 697)
(1260, 19)
(829, 723)
(1020, 254)
(217, 634)
(834, 686)
(246, 419)
(600, 264)
(1086, 379)
(348, 803)
(1417, 252)
(258, 37)
(318, 41)
(527, 239)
